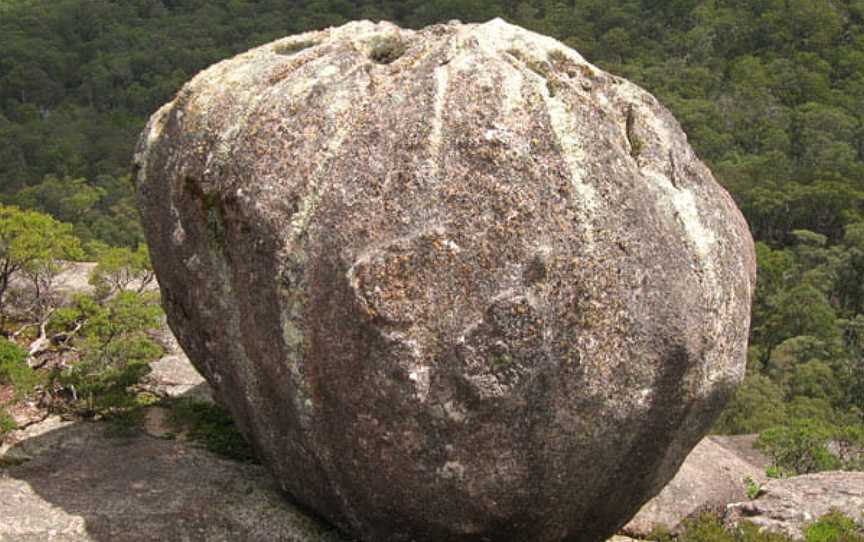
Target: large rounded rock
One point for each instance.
(455, 284)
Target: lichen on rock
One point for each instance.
(455, 284)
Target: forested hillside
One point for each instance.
(771, 93)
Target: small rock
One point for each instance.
(174, 376)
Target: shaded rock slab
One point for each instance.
(710, 478)
(786, 506)
(83, 486)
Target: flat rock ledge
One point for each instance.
(82, 485)
(786, 506)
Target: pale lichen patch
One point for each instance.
(452, 470)
(339, 104)
(152, 133)
(419, 375)
(442, 78)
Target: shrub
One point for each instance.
(115, 350)
(7, 424)
(833, 527)
(752, 487)
(14, 370)
(800, 447)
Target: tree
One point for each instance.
(757, 405)
(69, 200)
(120, 268)
(801, 447)
(114, 346)
(32, 243)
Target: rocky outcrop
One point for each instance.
(713, 476)
(455, 284)
(786, 506)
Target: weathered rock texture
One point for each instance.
(455, 284)
(787, 506)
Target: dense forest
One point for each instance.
(771, 93)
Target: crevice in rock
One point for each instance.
(636, 143)
(293, 48)
(387, 49)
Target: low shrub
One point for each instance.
(14, 370)
(708, 527)
(212, 427)
(7, 423)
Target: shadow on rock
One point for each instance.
(81, 484)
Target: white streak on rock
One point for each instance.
(565, 130)
(684, 203)
(442, 78)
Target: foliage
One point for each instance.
(757, 405)
(833, 527)
(805, 381)
(707, 527)
(752, 487)
(115, 349)
(800, 447)
(7, 424)
(212, 427)
(14, 370)
(119, 268)
(32, 244)
(805, 445)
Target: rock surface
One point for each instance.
(455, 284)
(79, 485)
(173, 375)
(712, 476)
(786, 506)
